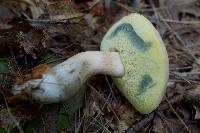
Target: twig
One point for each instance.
(174, 100)
(164, 120)
(109, 106)
(105, 103)
(193, 96)
(12, 116)
(189, 81)
(110, 87)
(95, 4)
(79, 126)
(157, 14)
(137, 127)
(101, 125)
(129, 9)
(40, 24)
(180, 22)
(171, 107)
(159, 17)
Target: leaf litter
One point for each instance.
(37, 34)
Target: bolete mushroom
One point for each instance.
(133, 54)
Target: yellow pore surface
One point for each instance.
(145, 60)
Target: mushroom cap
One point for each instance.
(145, 60)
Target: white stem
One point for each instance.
(65, 79)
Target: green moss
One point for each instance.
(3, 64)
(4, 78)
(70, 107)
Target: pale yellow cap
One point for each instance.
(145, 60)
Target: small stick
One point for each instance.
(141, 124)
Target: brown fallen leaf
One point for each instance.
(33, 41)
(8, 120)
(61, 10)
(159, 126)
(22, 5)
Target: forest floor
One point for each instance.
(35, 34)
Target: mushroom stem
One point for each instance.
(65, 79)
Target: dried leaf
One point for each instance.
(127, 114)
(122, 126)
(36, 10)
(158, 126)
(22, 5)
(62, 10)
(6, 120)
(5, 17)
(33, 41)
(193, 97)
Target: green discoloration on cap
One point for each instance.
(144, 57)
(135, 40)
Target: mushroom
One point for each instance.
(132, 53)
